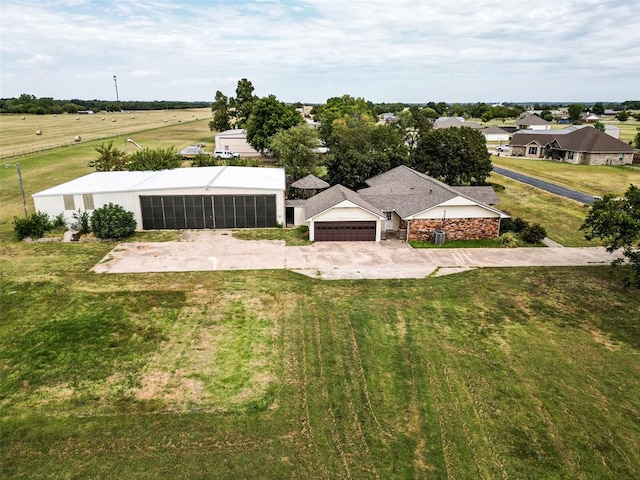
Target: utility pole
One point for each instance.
(115, 81)
(24, 198)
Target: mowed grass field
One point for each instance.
(19, 131)
(495, 373)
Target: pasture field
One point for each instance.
(597, 180)
(19, 131)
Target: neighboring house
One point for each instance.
(204, 197)
(235, 141)
(495, 134)
(447, 122)
(586, 146)
(590, 117)
(405, 202)
(532, 122)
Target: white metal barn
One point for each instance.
(235, 140)
(205, 197)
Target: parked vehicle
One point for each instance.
(502, 148)
(225, 154)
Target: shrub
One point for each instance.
(59, 222)
(203, 160)
(519, 224)
(533, 233)
(507, 225)
(156, 159)
(82, 222)
(32, 226)
(112, 221)
(508, 240)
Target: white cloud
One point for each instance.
(408, 50)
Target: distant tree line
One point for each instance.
(30, 104)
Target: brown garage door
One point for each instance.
(345, 231)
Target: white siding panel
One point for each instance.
(462, 211)
(337, 214)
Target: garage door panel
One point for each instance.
(345, 231)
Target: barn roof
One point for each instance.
(310, 182)
(179, 178)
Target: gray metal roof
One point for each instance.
(310, 182)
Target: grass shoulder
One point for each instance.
(291, 236)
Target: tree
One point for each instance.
(220, 110)
(598, 126)
(359, 149)
(110, 158)
(112, 221)
(598, 108)
(456, 156)
(575, 111)
(637, 138)
(243, 102)
(412, 124)
(623, 116)
(295, 151)
(342, 108)
(616, 221)
(154, 159)
(268, 117)
(546, 115)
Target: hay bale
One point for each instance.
(38, 132)
(113, 119)
(77, 138)
(23, 118)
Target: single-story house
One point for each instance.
(235, 141)
(448, 122)
(204, 197)
(402, 202)
(585, 146)
(532, 122)
(495, 134)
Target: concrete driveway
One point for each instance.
(208, 250)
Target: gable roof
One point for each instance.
(532, 120)
(586, 139)
(331, 197)
(493, 129)
(408, 192)
(234, 132)
(447, 122)
(310, 182)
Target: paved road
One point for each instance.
(549, 187)
(207, 250)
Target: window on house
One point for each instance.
(87, 199)
(389, 216)
(570, 155)
(620, 157)
(69, 204)
(533, 150)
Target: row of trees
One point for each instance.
(32, 105)
(113, 159)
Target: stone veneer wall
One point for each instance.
(455, 228)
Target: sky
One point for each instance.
(411, 51)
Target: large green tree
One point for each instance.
(575, 111)
(242, 103)
(456, 156)
(412, 124)
(339, 109)
(220, 110)
(268, 117)
(359, 149)
(295, 150)
(616, 221)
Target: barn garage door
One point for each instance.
(344, 231)
(207, 211)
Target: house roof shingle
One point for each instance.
(310, 182)
(333, 196)
(587, 139)
(532, 120)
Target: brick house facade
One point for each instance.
(454, 228)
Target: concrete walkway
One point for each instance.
(210, 250)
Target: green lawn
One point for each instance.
(276, 375)
(595, 180)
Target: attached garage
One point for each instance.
(345, 231)
(193, 198)
(340, 215)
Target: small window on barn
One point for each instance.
(87, 199)
(69, 204)
(533, 150)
